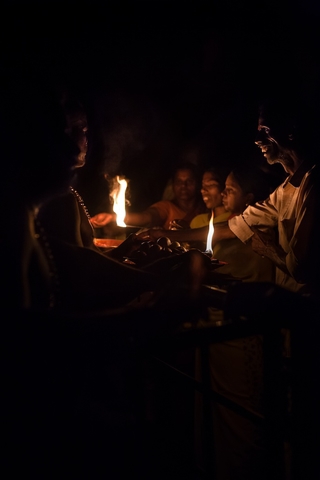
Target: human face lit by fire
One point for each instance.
(233, 197)
(211, 191)
(267, 142)
(184, 185)
(77, 129)
(274, 141)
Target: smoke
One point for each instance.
(135, 139)
(123, 144)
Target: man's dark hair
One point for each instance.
(196, 172)
(290, 115)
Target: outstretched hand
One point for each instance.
(101, 219)
(151, 234)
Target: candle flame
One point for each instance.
(118, 195)
(210, 235)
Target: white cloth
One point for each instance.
(290, 210)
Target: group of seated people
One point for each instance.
(48, 237)
(91, 279)
(224, 194)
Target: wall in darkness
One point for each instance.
(160, 78)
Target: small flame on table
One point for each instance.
(118, 195)
(209, 237)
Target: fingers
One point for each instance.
(144, 236)
(96, 224)
(101, 219)
(151, 234)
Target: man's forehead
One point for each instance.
(77, 118)
(184, 173)
(273, 124)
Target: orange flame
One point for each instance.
(119, 200)
(210, 235)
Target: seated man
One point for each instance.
(285, 226)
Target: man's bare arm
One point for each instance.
(222, 232)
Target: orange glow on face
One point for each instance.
(118, 195)
(210, 235)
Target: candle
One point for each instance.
(209, 237)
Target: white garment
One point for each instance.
(291, 212)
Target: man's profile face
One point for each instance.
(267, 140)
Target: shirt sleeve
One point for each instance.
(262, 214)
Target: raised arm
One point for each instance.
(148, 217)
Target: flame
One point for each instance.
(210, 235)
(119, 200)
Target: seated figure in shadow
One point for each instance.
(38, 272)
(65, 216)
(39, 159)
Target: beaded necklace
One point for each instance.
(81, 202)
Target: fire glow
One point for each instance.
(210, 235)
(118, 195)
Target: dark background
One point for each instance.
(164, 81)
